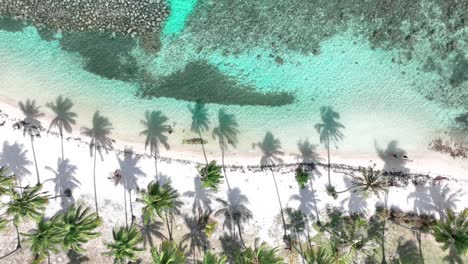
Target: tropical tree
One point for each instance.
(297, 224)
(271, 150)
(318, 255)
(200, 122)
(210, 258)
(7, 182)
(302, 177)
(329, 130)
(32, 125)
(371, 182)
(168, 253)
(99, 134)
(261, 254)
(64, 117)
(154, 131)
(28, 204)
(211, 176)
(125, 245)
(452, 233)
(159, 200)
(78, 226)
(45, 239)
(226, 132)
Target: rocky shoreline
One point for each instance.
(131, 18)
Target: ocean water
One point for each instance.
(377, 99)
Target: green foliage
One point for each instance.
(211, 226)
(331, 191)
(29, 204)
(168, 253)
(210, 258)
(318, 255)
(125, 245)
(372, 181)
(302, 177)
(157, 199)
(45, 239)
(211, 175)
(262, 254)
(78, 226)
(6, 182)
(452, 233)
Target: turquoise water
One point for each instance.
(378, 100)
(180, 10)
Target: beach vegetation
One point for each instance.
(260, 253)
(210, 258)
(45, 239)
(302, 177)
(125, 246)
(210, 176)
(452, 234)
(168, 252)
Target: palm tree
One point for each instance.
(125, 245)
(168, 253)
(271, 149)
(372, 182)
(452, 233)
(226, 132)
(318, 255)
(155, 128)
(210, 258)
(45, 239)
(32, 125)
(99, 134)
(329, 130)
(6, 182)
(262, 254)
(28, 204)
(129, 171)
(79, 226)
(64, 117)
(302, 177)
(159, 200)
(200, 122)
(211, 176)
(297, 224)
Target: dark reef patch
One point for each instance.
(11, 25)
(106, 55)
(202, 81)
(460, 71)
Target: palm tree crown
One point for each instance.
(157, 199)
(168, 253)
(125, 245)
(29, 204)
(78, 226)
(210, 258)
(64, 117)
(211, 176)
(452, 233)
(6, 182)
(372, 181)
(318, 255)
(45, 239)
(262, 254)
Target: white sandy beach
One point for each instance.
(256, 185)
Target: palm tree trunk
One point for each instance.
(156, 166)
(48, 258)
(279, 201)
(125, 206)
(94, 181)
(18, 245)
(224, 170)
(382, 243)
(300, 245)
(35, 161)
(169, 230)
(203, 146)
(328, 154)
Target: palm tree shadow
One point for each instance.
(130, 172)
(308, 200)
(197, 235)
(438, 198)
(309, 157)
(151, 230)
(76, 258)
(15, 158)
(407, 252)
(270, 147)
(355, 202)
(64, 180)
(394, 157)
(201, 197)
(200, 122)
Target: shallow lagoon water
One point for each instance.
(375, 97)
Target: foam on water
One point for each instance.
(375, 98)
